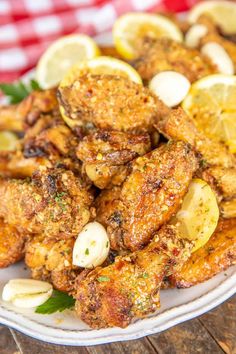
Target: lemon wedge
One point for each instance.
(211, 102)
(8, 141)
(222, 12)
(199, 214)
(97, 66)
(61, 55)
(131, 27)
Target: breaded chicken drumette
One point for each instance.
(105, 155)
(111, 103)
(218, 254)
(163, 54)
(11, 244)
(18, 117)
(50, 259)
(128, 288)
(150, 195)
(54, 203)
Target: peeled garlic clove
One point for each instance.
(27, 293)
(91, 247)
(194, 34)
(170, 86)
(218, 55)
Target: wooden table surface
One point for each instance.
(212, 333)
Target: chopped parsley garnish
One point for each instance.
(103, 279)
(87, 251)
(59, 301)
(17, 91)
(107, 244)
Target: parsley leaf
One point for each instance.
(102, 279)
(59, 301)
(17, 91)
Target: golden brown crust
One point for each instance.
(105, 155)
(216, 255)
(11, 244)
(111, 102)
(55, 203)
(150, 195)
(163, 54)
(113, 296)
(51, 259)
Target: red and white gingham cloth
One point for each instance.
(28, 27)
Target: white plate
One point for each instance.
(65, 328)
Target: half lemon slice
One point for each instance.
(199, 214)
(223, 14)
(211, 102)
(131, 27)
(61, 55)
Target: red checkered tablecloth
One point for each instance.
(28, 27)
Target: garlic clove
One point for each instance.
(26, 293)
(194, 35)
(170, 86)
(91, 247)
(218, 55)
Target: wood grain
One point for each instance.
(213, 333)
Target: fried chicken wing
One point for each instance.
(54, 203)
(18, 117)
(150, 195)
(111, 103)
(11, 244)
(179, 126)
(216, 255)
(105, 155)
(128, 288)
(51, 260)
(164, 54)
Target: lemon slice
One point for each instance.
(61, 55)
(8, 141)
(199, 214)
(131, 27)
(97, 66)
(222, 12)
(211, 102)
(101, 65)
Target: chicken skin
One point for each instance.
(150, 195)
(163, 54)
(216, 255)
(54, 203)
(18, 117)
(128, 288)
(111, 103)
(11, 244)
(105, 155)
(51, 260)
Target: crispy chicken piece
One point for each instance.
(179, 126)
(111, 103)
(11, 244)
(150, 195)
(164, 54)
(222, 180)
(18, 117)
(51, 260)
(14, 164)
(128, 288)
(105, 155)
(110, 52)
(216, 255)
(228, 208)
(54, 203)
